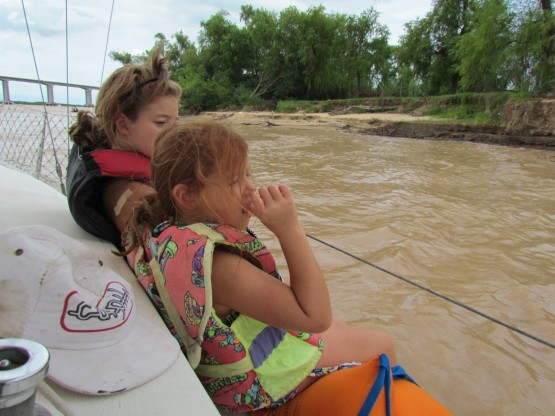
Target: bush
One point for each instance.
(201, 95)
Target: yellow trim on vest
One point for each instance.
(191, 345)
(224, 370)
(203, 229)
(292, 359)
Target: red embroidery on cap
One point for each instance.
(112, 310)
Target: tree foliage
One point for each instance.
(458, 46)
(534, 49)
(482, 51)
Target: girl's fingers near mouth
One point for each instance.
(265, 194)
(256, 203)
(274, 191)
(284, 191)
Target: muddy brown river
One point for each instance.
(473, 223)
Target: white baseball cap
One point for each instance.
(54, 291)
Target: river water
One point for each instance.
(474, 223)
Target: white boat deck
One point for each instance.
(26, 201)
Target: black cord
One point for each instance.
(433, 292)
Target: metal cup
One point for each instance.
(23, 365)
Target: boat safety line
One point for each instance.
(107, 41)
(46, 118)
(67, 78)
(433, 292)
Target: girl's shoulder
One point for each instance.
(192, 239)
(218, 233)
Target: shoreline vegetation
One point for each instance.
(498, 118)
(492, 119)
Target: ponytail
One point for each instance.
(85, 133)
(147, 214)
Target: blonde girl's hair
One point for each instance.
(188, 154)
(127, 91)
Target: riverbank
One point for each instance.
(530, 124)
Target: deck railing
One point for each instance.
(88, 89)
(34, 139)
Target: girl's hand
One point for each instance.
(275, 208)
(239, 285)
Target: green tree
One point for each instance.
(182, 54)
(316, 34)
(414, 56)
(367, 51)
(450, 22)
(435, 38)
(266, 68)
(223, 49)
(482, 52)
(288, 36)
(534, 50)
(122, 57)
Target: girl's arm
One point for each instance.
(239, 285)
(120, 197)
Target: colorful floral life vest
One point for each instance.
(87, 173)
(244, 365)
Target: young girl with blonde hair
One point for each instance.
(109, 165)
(253, 340)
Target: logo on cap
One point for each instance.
(111, 311)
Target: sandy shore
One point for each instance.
(271, 118)
(537, 133)
(367, 123)
(385, 124)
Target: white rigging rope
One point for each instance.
(67, 79)
(107, 40)
(46, 118)
(33, 53)
(47, 124)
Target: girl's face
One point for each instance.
(227, 197)
(142, 132)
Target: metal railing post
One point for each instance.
(38, 165)
(6, 90)
(88, 97)
(50, 94)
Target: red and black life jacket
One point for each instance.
(87, 174)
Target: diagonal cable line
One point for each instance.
(433, 292)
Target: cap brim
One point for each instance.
(146, 352)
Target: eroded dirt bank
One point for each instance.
(526, 123)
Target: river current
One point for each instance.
(474, 223)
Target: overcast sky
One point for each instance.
(134, 24)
